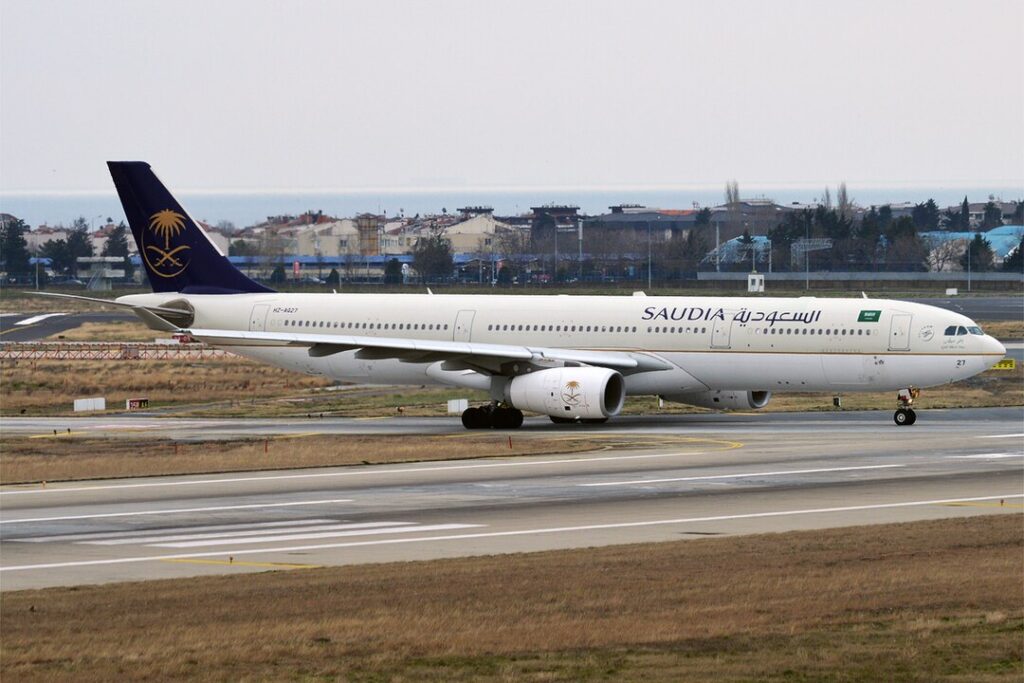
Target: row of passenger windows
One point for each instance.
(958, 330)
(365, 326)
(560, 328)
(789, 330)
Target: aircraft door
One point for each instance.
(258, 318)
(721, 332)
(899, 332)
(463, 326)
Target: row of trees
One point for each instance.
(63, 253)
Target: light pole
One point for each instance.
(648, 256)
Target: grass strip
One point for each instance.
(924, 601)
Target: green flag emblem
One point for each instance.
(869, 316)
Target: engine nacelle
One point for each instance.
(571, 393)
(724, 400)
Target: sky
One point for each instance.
(226, 95)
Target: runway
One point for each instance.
(708, 475)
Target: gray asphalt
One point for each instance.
(12, 331)
(708, 475)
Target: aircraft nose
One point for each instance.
(994, 346)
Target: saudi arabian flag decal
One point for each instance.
(869, 316)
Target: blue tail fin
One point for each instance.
(176, 253)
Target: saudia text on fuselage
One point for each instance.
(742, 316)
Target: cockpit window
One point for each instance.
(961, 330)
(950, 331)
(975, 330)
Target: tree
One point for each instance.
(906, 251)
(393, 272)
(57, 252)
(117, 245)
(843, 202)
(732, 193)
(432, 257)
(884, 218)
(13, 247)
(243, 248)
(78, 244)
(978, 256)
(1014, 263)
(278, 275)
(333, 278)
(993, 217)
(1018, 213)
(926, 215)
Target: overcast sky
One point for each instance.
(225, 95)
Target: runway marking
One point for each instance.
(986, 456)
(743, 475)
(218, 508)
(498, 534)
(989, 504)
(346, 473)
(37, 319)
(232, 563)
(283, 531)
(1002, 436)
(141, 535)
(405, 528)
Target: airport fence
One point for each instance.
(106, 351)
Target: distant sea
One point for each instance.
(249, 208)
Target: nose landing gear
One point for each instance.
(905, 415)
(492, 416)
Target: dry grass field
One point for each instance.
(117, 331)
(927, 601)
(67, 456)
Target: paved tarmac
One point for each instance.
(39, 326)
(707, 475)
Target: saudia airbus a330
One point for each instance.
(572, 358)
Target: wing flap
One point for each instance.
(425, 350)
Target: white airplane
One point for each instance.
(573, 358)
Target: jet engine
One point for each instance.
(724, 400)
(571, 392)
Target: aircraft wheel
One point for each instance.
(474, 418)
(595, 421)
(506, 418)
(562, 420)
(904, 417)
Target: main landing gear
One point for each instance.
(905, 415)
(492, 416)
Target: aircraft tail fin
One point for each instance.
(177, 254)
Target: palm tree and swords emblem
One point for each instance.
(167, 224)
(571, 393)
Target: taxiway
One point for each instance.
(706, 475)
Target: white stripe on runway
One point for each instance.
(742, 475)
(986, 456)
(141, 534)
(406, 529)
(284, 532)
(346, 473)
(218, 508)
(1002, 436)
(37, 318)
(496, 534)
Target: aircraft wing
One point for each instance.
(482, 357)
